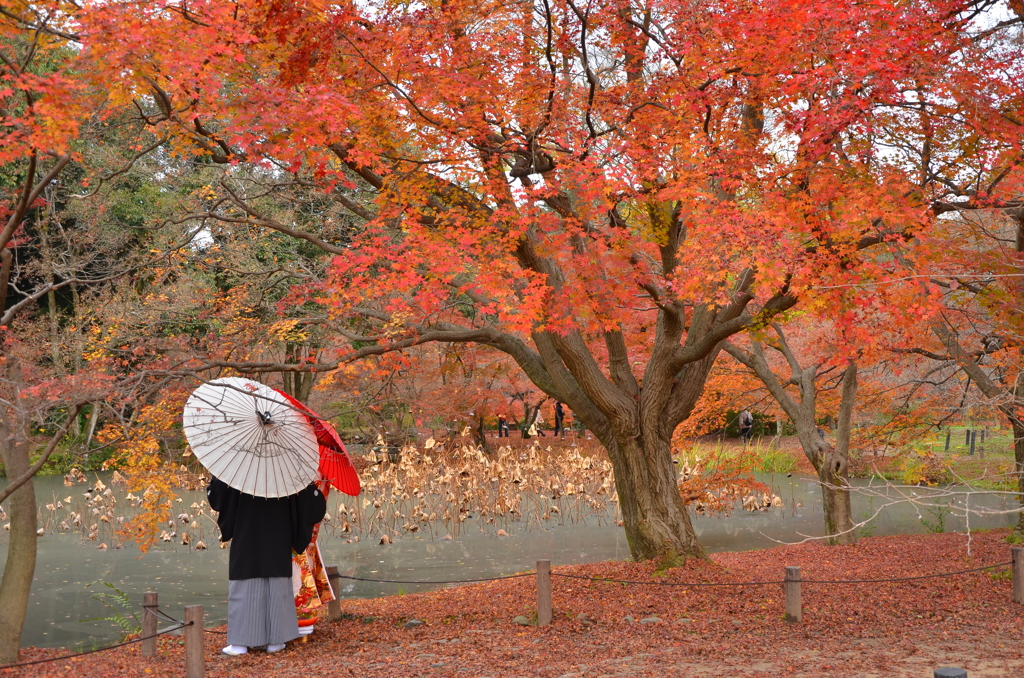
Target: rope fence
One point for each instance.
(99, 649)
(446, 581)
(193, 627)
(792, 583)
(783, 581)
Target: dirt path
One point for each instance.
(884, 630)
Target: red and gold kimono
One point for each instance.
(312, 588)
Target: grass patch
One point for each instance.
(758, 457)
(772, 460)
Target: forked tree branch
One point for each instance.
(13, 486)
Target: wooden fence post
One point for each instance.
(794, 608)
(543, 592)
(149, 606)
(195, 654)
(334, 607)
(1017, 556)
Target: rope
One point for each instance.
(920, 576)
(672, 583)
(176, 621)
(667, 583)
(449, 581)
(101, 649)
(765, 583)
(167, 616)
(218, 632)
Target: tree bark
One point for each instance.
(6, 258)
(656, 521)
(19, 570)
(836, 480)
(831, 468)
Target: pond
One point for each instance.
(71, 568)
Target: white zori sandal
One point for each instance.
(275, 648)
(235, 650)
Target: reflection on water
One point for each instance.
(67, 562)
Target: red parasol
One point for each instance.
(335, 464)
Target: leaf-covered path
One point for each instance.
(893, 629)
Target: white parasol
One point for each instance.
(251, 437)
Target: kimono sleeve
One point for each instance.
(308, 509)
(224, 500)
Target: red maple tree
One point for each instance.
(603, 191)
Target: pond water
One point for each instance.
(68, 563)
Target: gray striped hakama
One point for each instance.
(261, 612)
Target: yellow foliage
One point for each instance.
(289, 330)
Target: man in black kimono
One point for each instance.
(263, 532)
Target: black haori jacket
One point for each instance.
(264, 531)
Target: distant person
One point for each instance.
(263, 532)
(502, 426)
(746, 425)
(559, 420)
(538, 422)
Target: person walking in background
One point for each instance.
(502, 426)
(559, 420)
(537, 426)
(746, 425)
(539, 422)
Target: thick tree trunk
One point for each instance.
(657, 522)
(21, 552)
(832, 475)
(835, 497)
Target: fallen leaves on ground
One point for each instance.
(890, 629)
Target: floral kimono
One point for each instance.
(310, 583)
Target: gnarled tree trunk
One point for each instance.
(837, 465)
(657, 522)
(831, 466)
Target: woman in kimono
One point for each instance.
(263, 533)
(309, 579)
